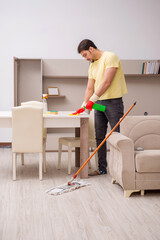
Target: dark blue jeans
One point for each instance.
(113, 113)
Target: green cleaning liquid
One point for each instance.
(99, 107)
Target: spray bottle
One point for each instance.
(98, 107)
(45, 107)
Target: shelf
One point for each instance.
(142, 75)
(66, 77)
(86, 77)
(127, 75)
(60, 96)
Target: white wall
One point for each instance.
(53, 29)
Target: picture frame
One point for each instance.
(53, 91)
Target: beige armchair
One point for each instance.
(37, 104)
(27, 133)
(134, 159)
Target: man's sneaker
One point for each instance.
(97, 172)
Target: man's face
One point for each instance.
(88, 55)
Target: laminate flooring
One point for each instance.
(95, 212)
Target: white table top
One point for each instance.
(61, 114)
(60, 120)
(65, 114)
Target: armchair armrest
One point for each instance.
(121, 160)
(118, 140)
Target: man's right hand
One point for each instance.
(79, 111)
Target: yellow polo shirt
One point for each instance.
(96, 71)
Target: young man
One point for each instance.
(106, 86)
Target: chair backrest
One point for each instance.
(143, 130)
(36, 104)
(91, 128)
(32, 103)
(27, 129)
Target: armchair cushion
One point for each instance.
(147, 161)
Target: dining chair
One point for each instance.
(27, 134)
(38, 104)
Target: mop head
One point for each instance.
(66, 188)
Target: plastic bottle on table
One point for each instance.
(45, 107)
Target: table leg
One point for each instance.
(84, 153)
(77, 150)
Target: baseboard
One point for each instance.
(9, 145)
(57, 150)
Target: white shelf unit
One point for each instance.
(32, 77)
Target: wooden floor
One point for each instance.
(95, 212)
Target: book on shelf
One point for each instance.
(143, 67)
(151, 67)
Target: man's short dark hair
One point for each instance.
(85, 45)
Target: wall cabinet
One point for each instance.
(32, 77)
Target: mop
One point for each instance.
(71, 184)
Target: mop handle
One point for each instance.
(75, 175)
